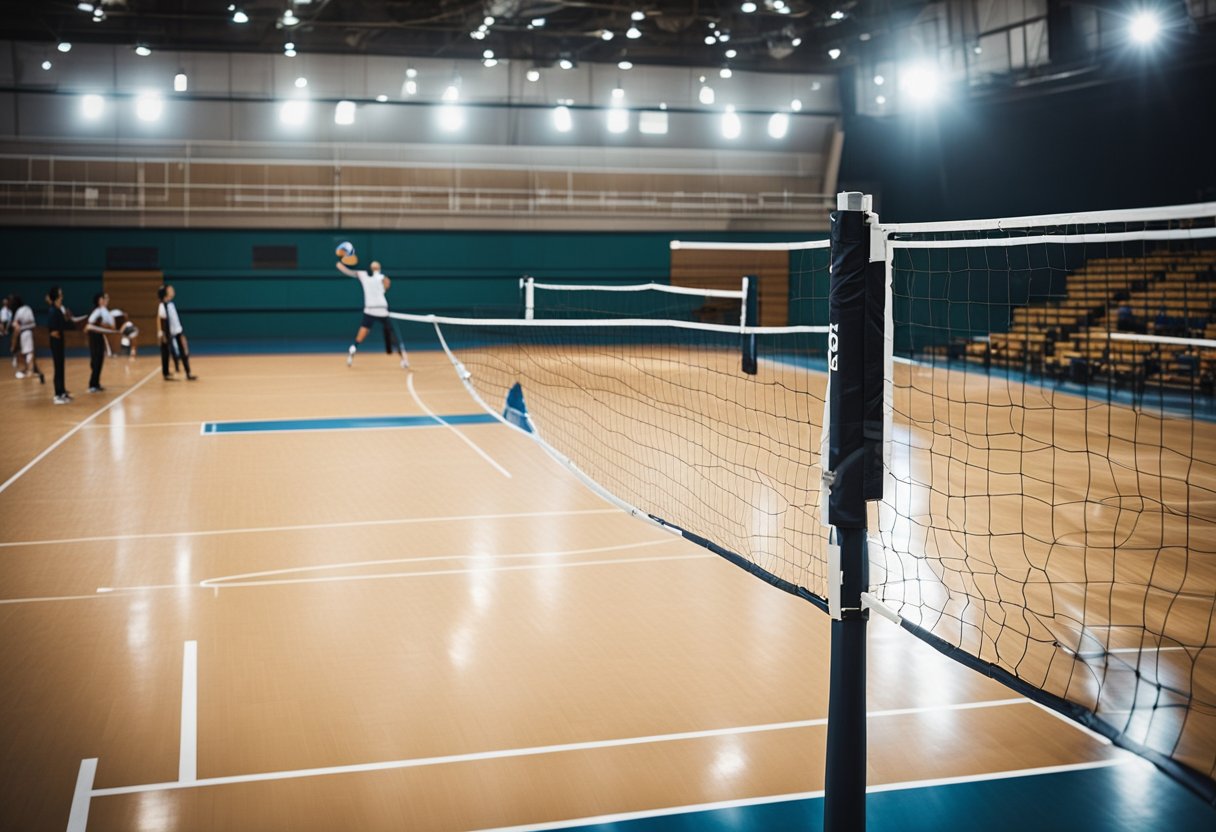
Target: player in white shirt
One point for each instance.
(23, 339)
(172, 336)
(375, 308)
(101, 322)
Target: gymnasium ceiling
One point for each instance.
(673, 32)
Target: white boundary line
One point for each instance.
(79, 816)
(222, 581)
(187, 765)
(343, 524)
(420, 762)
(72, 432)
(463, 438)
(786, 798)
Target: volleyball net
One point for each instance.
(1047, 508)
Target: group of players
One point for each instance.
(17, 322)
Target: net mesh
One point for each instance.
(1051, 507)
(664, 419)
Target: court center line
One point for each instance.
(227, 583)
(187, 764)
(72, 432)
(420, 762)
(342, 524)
(78, 818)
(418, 400)
(741, 803)
(432, 558)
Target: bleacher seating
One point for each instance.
(1166, 293)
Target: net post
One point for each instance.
(527, 283)
(856, 353)
(749, 317)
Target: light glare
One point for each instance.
(92, 106)
(778, 125)
(180, 82)
(732, 128)
(344, 112)
(294, 113)
(1144, 27)
(562, 122)
(148, 107)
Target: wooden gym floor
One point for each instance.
(433, 627)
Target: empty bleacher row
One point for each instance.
(1169, 293)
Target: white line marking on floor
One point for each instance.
(344, 524)
(129, 425)
(430, 559)
(78, 818)
(187, 765)
(47, 598)
(533, 751)
(1092, 734)
(784, 798)
(72, 432)
(410, 383)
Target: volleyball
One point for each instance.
(345, 249)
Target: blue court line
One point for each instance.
(355, 423)
(1124, 798)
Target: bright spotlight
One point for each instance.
(1144, 27)
(636, 16)
(92, 106)
(778, 125)
(65, 47)
(239, 16)
(451, 118)
(46, 65)
(142, 51)
(796, 105)
(294, 113)
(725, 72)
(833, 53)
(748, 8)
(566, 63)
(706, 95)
(180, 82)
(148, 107)
(731, 126)
(344, 112)
(625, 65)
(452, 93)
(921, 83)
(533, 75)
(410, 87)
(382, 98)
(562, 121)
(633, 33)
(606, 35)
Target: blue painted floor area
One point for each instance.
(1123, 798)
(356, 423)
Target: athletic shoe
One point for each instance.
(191, 378)
(350, 356)
(20, 374)
(41, 378)
(60, 400)
(97, 389)
(405, 363)
(68, 396)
